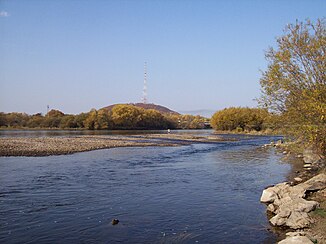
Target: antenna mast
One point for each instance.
(144, 99)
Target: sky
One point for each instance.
(75, 55)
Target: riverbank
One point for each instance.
(46, 146)
(299, 205)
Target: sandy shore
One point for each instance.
(46, 146)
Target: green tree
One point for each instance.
(294, 84)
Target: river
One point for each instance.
(201, 193)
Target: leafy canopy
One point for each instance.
(294, 83)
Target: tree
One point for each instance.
(125, 116)
(68, 121)
(240, 119)
(35, 121)
(91, 120)
(103, 120)
(294, 83)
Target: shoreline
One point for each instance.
(48, 146)
(306, 168)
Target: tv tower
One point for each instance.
(144, 99)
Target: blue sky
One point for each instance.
(77, 55)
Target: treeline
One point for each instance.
(119, 117)
(244, 120)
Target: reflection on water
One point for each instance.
(203, 193)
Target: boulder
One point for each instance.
(316, 183)
(271, 194)
(268, 196)
(288, 203)
(296, 240)
(310, 157)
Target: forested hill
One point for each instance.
(159, 108)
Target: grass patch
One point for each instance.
(321, 212)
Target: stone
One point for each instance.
(115, 221)
(310, 157)
(271, 208)
(296, 240)
(288, 203)
(298, 179)
(316, 183)
(307, 165)
(298, 220)
(296, 233)
(268, 196)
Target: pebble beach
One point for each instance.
(46, 146)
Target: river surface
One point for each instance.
(201, 193)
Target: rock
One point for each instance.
(298, 179)
(307, 165)
(315, 183)
(298, 220)
(296, 240)
(310, 157)
(288, 203)
(285, 152)
(271, 208)
(268, 196)
(115, 221)
(297, 233)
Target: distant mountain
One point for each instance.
(159, 108)
(202, 112)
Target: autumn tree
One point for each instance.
(53, 119)
(125, 116)
(294, 84)
(35, 121)
(240, 119)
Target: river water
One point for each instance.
(201, 193)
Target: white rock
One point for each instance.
(268, 196)
(298, 179)
(288, 203)
(296, 240)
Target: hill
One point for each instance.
(161, 109)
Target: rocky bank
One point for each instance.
(291, 203)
